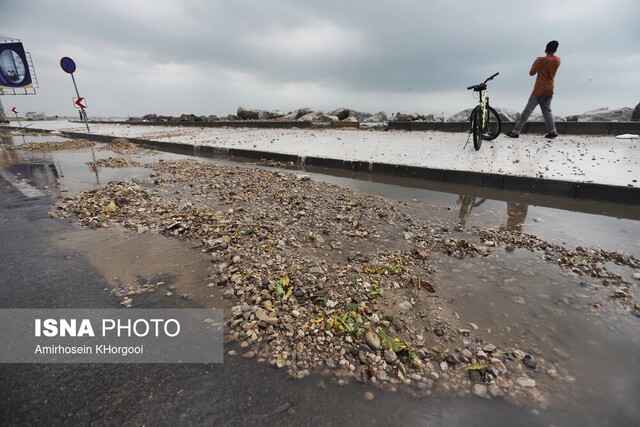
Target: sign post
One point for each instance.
(14, 110)
(68, 65)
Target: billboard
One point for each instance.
(14, 68)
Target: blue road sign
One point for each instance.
(68, 65)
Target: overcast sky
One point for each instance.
(208, 57)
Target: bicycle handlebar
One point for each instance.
(490, 78)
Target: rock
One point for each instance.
(270, 114)
(378, 117)
(635, 116)
(475, 375)
(309, 117)
(494, 390)
(505, 115)
(300, 112)
(452, 359)
(390, 356)
(316, 271)
(373, 340)
(479, 390)
(499, 365)
(340, 113)
(404, 116)
(526, 382)
(636, 276)
(405, 306)
(325, 118)
(248, 113)
(466, 353)
(444, 366)
(537, 117)
(262, 315)
(489, 348)
(529, 362)
(462, 116)
(606, 115)
(501, 382)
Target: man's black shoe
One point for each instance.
(512, 134)
(551, 135)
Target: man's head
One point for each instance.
(552, 47)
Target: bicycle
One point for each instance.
(485, 121)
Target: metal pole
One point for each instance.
(18, 119)
(84, 115)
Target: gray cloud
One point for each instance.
(206, 57)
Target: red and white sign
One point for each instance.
(80, 103)
(14, 110)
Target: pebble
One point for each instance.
(249, 355)
(489, 348)
(494, 390)
(501, 382)
(261, 315)
(405, 306)
(529, 362)
(369, 396)
(373, 340)
(526, 382)
(479, 390)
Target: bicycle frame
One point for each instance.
(479, 117)
(484, 102)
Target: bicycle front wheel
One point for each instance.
(493, 124)
(476, 127)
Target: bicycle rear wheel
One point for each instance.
(493, 124)
(476, 127)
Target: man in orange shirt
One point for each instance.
(545, 68)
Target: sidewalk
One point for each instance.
(570, 159)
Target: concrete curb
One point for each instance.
(565, 189)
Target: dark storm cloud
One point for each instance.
(213, 56)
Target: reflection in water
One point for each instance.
(516, 214)
(39, 175)
(467, 203)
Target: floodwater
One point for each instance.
(512, 298)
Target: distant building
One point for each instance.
(34, 116)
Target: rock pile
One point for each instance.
(323, 279)
(603, 115)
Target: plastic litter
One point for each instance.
(628, 136)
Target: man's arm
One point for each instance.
(535, 67)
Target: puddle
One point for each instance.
(149, 269)
(518, 299)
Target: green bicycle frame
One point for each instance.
(484, 99)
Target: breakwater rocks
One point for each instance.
(380, 119)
